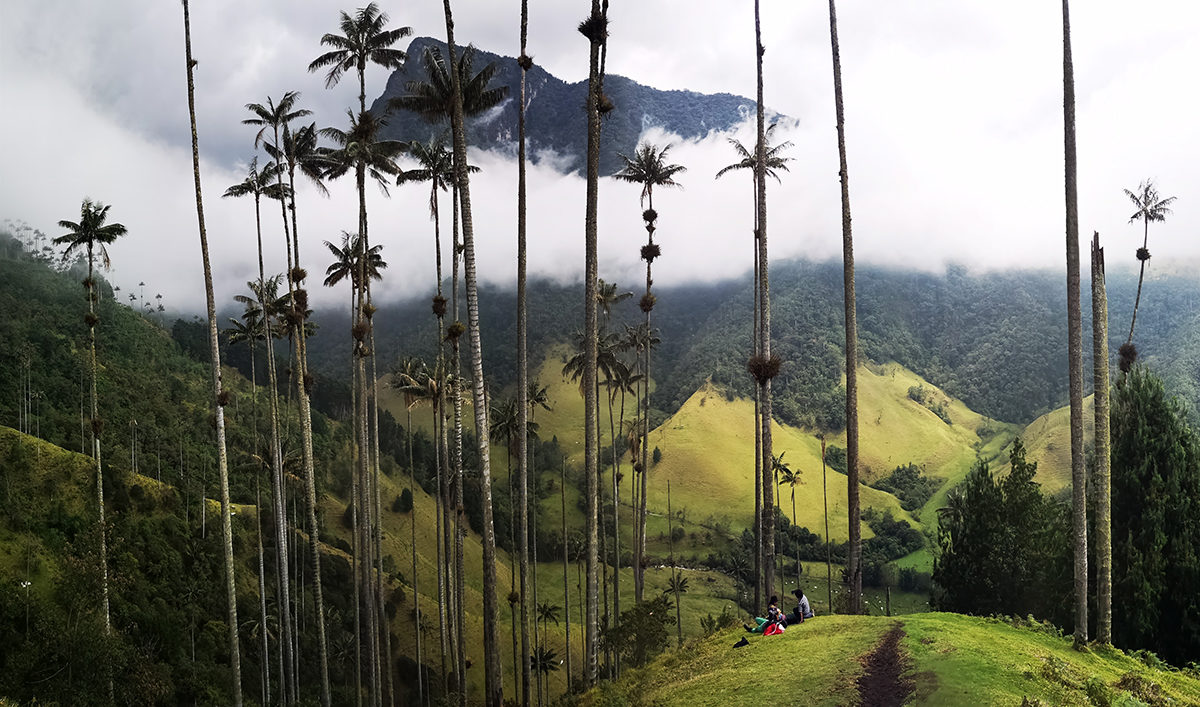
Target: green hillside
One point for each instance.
(1047, 441)
(938, 659)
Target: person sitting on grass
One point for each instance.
(774, 617)
(803, 609)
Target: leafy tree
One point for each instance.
(1000, 545)
(1155, 519)
(642, 632)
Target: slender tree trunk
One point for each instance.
(97, 429)
(591, 624)
(1141, 274)
(758, 527)
(523, 368)
(219, 394)
(494, 688)
(262, 597)
(566, 592)
(289, 685)
(1100, 384)
(1075, 343)
(764, 334)
(855, 549)
(674, 572)
(828, 547)
(304, 381)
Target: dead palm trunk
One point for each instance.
(1074, 342)
(220, 397)
(523, 365)
(855, 549)
(1100, 384)
(494, 689)
(596, 26)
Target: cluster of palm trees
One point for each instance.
(618, 364)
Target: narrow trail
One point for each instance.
(882, 683)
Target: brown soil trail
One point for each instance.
(882, 683)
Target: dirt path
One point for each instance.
(882, 683)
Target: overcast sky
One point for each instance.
(954, 132)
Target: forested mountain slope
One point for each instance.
(996, 340)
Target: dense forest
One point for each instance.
(992, 339)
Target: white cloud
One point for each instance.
(954, 133)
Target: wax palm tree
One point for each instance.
(363, 41)
(746, 158)
(851, 321)
(1149, 207)
(272, 119)
(523, 383)
(775, 161)
(1074, 341)
(790, 477)
(763, 365)
(493, 688)
(220, 396)
(595, 28)
(649, 168)
(92, 234)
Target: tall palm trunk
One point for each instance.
(562, 488)
(262, 597)
(639, 551)
(303, 383)
(96, 431)
(289, 686)
(1103, 475)
(1074, 342)
(220, 397)
(768, 370)
(1137, 300)
(494, 689)
(591, 624)
(855, 549)
(758, 527)
(523, 365)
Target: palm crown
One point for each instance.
(649, 167)
(91, 232)
(363, 40)
(358, 146)
(274, 116)
(433, 99)
(1150, 206)
(748, 160)
(345, 263)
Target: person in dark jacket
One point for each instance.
(803, 609)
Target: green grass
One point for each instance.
(1047, 441)
(954, 660)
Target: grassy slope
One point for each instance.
(954, 660)
(1048, 442)
(708, 452)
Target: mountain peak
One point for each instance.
(555, 122)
